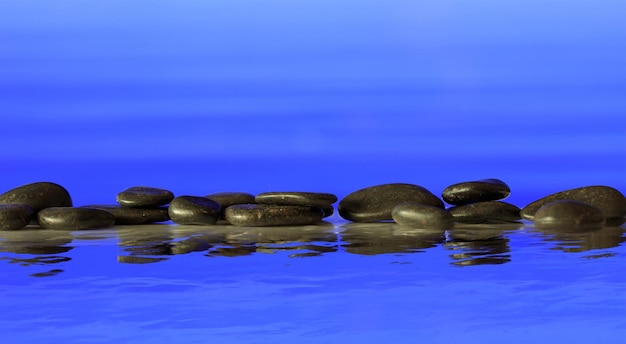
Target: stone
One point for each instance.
(143, 196)
(74, 218)
(422, 216)
(328, 210)
(476, 191)
(609, 200)
(569, 215)
(375, 203)
(133, 216)
(38, 196)
(15, 216)
(261, 215)
(318, 199)
(485, 212)
(194, 210)
(226, 199)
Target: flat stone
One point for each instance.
(476, 191)
(609, 200)
(38, 196)
(569, 215)
(422, 216)
(74, 218)
(143, 196)
(226, 199)
(194, 210)
(133, 216)
(375, 203)
(15, 216)
(485, 212)
(261, 215)
(319, 199)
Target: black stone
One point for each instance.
(260, 215)
(476, 191)
(609, 200)
(142, 196)
(15, 216)
(133, 216)
(226, 199)
(569, 215)
(375, 203)
(296, 198)
(38, 196)
(328, 210)
(194, 210)
(485, 212)
(74, 218)
(422, 216)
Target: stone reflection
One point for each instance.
(585, 240)
(144, 244)
(388, 237)
(47, 246)
(480, 244)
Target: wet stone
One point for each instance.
(485, 212)
(38, 196)
(609, 200)
(194, 210)
(569, 215)
(476, 191)
(15, 216)
(143, 196)
(422, 216)
(74, 218)
(375, 203)
(319, 199)
(133, 216)
(260, 215)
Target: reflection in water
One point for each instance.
(140, 245)
(388, 237)
(46, 245)
(480, 244)
(579, 241)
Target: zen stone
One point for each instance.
(15, 216)
(609, 200)
(133, 216)
(226, 199)
(422, 216)
(375, 203)
(260, 215)
(38, 196)
(569, 215)
(75, 218)
(194, 210)
(476, 191)
(142, 196)
(328, 210)
(485, 212)
(296, 198)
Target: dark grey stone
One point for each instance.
(133, 216)
(194, 210)
(485, 212)
(260, 215)
(422, 216)
(74, 218)
(569, 215)
(15, 216)
(609, 200)
(319, 199)
(328, 210)
(375, 203)
(476, 191)
(38, 196)
(226, 199)
(143, 196)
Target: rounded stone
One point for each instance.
(15, 216)
(226, 199)
(375, 203)
(569, 215)
(422, 216)
(476, 191)
(143, 196)
(74, 218)
(319, 199)
(261, 215)
(328, 210)
(194, 210)
(485, 212)
(133, 216)
(38, 196)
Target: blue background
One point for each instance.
(208, 96)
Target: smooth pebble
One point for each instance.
(15, 216)
(476, 191)
(319, 199)
(422, 216)
(133, 216)
(194, 210)
(74, 218)
(254, 215)
(143, 196)
(569, 215)
(485, 212)
(38, 196)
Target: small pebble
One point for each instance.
(476, 191)
(38, 196)
(422, 216)
(485, 212)
(569, 215)
(296, 198)
(15, 216)
(260, 215)
(133, 216)
(194, 210)
(142, 196)
(75, 218)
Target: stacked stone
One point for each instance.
(480, 202)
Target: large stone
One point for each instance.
(75, 218)
(38, 196)
(319, 199)
(261, 215)
(476, 191)
(422, 216)
(15, 216)
(194, 210)
(143, 196)
(133, 216)
(485, 212)
(375, 203)
(569, 215)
